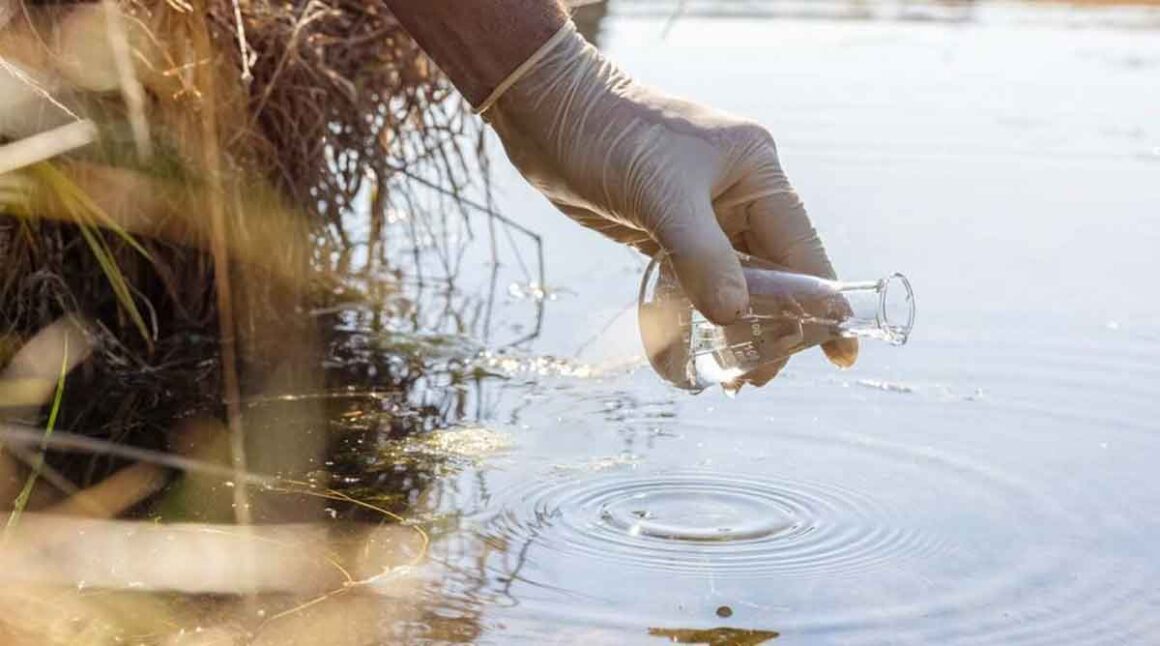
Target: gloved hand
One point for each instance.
(657, 172)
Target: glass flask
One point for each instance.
(788, 312)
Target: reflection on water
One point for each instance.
(715, 636)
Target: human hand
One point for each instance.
(657, 172)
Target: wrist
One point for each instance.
(564, 38)
(478, 43)
(565, 75)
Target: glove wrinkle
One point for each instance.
(609, 172)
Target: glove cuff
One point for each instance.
(565, 32)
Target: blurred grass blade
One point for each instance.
(22, 499)
(46, 145)
(131, 91)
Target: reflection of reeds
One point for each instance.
(180, 204)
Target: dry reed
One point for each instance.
(184, 183)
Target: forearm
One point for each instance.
(477, 43)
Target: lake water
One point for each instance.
(994, 482)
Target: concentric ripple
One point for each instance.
(705, 523)
(698, 512)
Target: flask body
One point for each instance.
(788, 312)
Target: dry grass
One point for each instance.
(181, 184)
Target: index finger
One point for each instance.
(779, 230)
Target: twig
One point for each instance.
(247, 55)
(36, 87)
(679, 11)
(307, 18)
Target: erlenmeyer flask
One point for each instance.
(788, 312)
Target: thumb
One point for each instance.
(704, 260)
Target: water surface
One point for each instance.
(993, 482)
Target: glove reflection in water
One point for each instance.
(788, 312)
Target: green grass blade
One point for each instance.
(78, 202)
(116, 279)
(90, 218)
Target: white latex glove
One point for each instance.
(656, 172)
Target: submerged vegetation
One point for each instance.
(203, 297)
